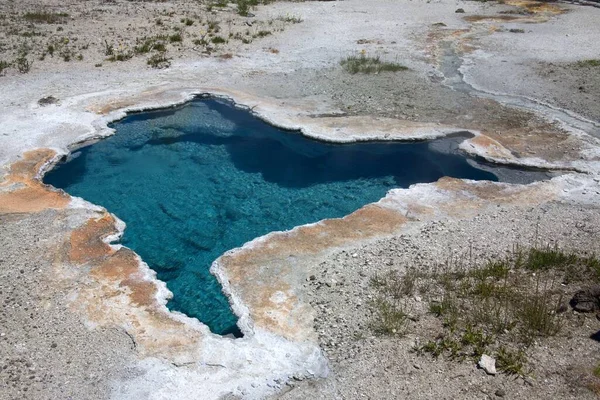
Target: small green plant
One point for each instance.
(159, 61)
(511, 362)
(147, 45)
(263, 33)
(123, 55)
(538, 316)
(243, 7)
(218, 40)
(390, 317)
(591, 63)
(23, 64)
(444, 345)
(109, 49)
(290, 18)
(369, 65)
(176, 38)
(3, 67)
(596, 371)
(45, 17)
(187, 21)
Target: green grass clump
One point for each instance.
(45, 17)
(120, 56)
(147, 45)
(589, 63)
(262, 34)
(159, 61)
(389, 316)
(293, 19)
(369, 65)
(4, 65)
(176, 38)
(511, 362)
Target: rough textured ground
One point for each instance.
(341, 292)
(47, 351)
(50, 346)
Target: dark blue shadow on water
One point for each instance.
(195, 181)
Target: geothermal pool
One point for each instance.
(194, 181)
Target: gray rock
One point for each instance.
(586, 300)
(488, 364)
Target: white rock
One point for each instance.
(488, 364)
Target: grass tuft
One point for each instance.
(45, 17)
(589, 63)
(159, 61)
(369, 65)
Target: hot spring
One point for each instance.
(194, 181)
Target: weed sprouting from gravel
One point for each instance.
(218, 40)
(22, 64)
(146, 45)
(159, 61)
(511, 362)
(176, 38)
(4, 65)
(389, 316)
(591, 63)
(369, 65)
(45, 17)
(293, 19)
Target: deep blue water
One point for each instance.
(195, 181)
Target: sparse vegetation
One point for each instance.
(45, 17)
(108, 48)
(293, 19)
(511, 362)
(120, 55)
(263, 33)
(3, 67)
(591, 63)
(176, 38)
(499, 307)
(159, 61)
(218, 40)
(146, 45)
(22, 64)
(187, 21)
(369, 65)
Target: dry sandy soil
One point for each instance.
(81, 319)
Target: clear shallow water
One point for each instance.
(195, 181)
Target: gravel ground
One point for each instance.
(368, 366)
(46, 351)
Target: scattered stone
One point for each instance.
(46, 101)
(460, 11)
(488, 364)
(586, 300)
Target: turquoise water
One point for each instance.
(195, 181)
